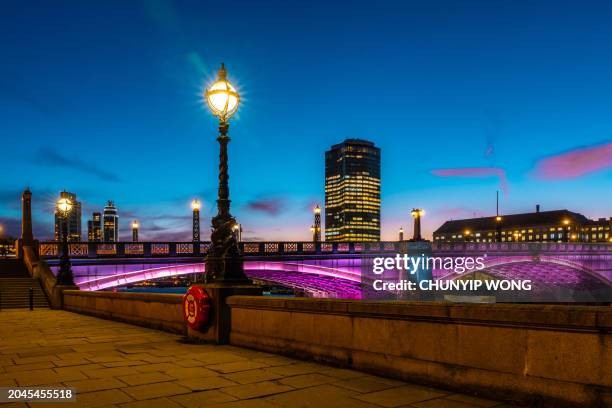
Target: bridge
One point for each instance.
(527, 352)
(340, 270)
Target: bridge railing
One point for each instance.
(52, 249)
(521, 247)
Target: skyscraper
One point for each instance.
(111, 223)
(94, 228)
(73, 224)
(352, 192)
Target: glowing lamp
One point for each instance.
(135, 224)
(236, 227)
(467, 232)
(317, 210)
(222, 97)
(195, 204)
(417, 212)
(566, 222)
(64, 206)
(498, 218)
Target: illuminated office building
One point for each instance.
(539, 226)
(352, 192)
(73, 223)
(111, 223)
(94, 228)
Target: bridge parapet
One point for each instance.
(249, 249)
(50, 249)
(521, 248)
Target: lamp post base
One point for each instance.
(64, 274)
(218, 329)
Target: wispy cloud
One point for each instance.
(476, 172)
(51, 157)
(575, 163)
(270, 206)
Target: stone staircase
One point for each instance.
(15, 284)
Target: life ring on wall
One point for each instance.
(196, 307)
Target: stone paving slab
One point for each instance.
(112, 364)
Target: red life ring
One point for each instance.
(196, 307)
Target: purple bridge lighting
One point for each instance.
(335, 270)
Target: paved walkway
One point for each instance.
(112, 364)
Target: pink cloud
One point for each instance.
(575, 163)
(476, 172)
(270, 206)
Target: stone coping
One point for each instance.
(544, 316)
(143, 297)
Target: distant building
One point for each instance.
(545, 226)
(73, 224)
(94, 228)
(110, 223)
(352, 192)
(599, 230)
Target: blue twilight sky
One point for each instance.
(463, 97)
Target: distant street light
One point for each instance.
(566, 232)
(224, 261)
(417, 213)
(401, 234)
(316, 228)
(498, 224)
(238, 231)
(64, 274)
(195, 206)
(135, 227)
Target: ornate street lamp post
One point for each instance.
(224, 260)
(64, 275)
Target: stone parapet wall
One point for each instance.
(557, 353)
(157, 311)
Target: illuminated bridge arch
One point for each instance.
(545, 272)
(314, 280)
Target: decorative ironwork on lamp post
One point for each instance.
(64, 274)
(224, 262)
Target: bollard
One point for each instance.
(31, 298)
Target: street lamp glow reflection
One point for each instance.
(222, 97)
(64, 206)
